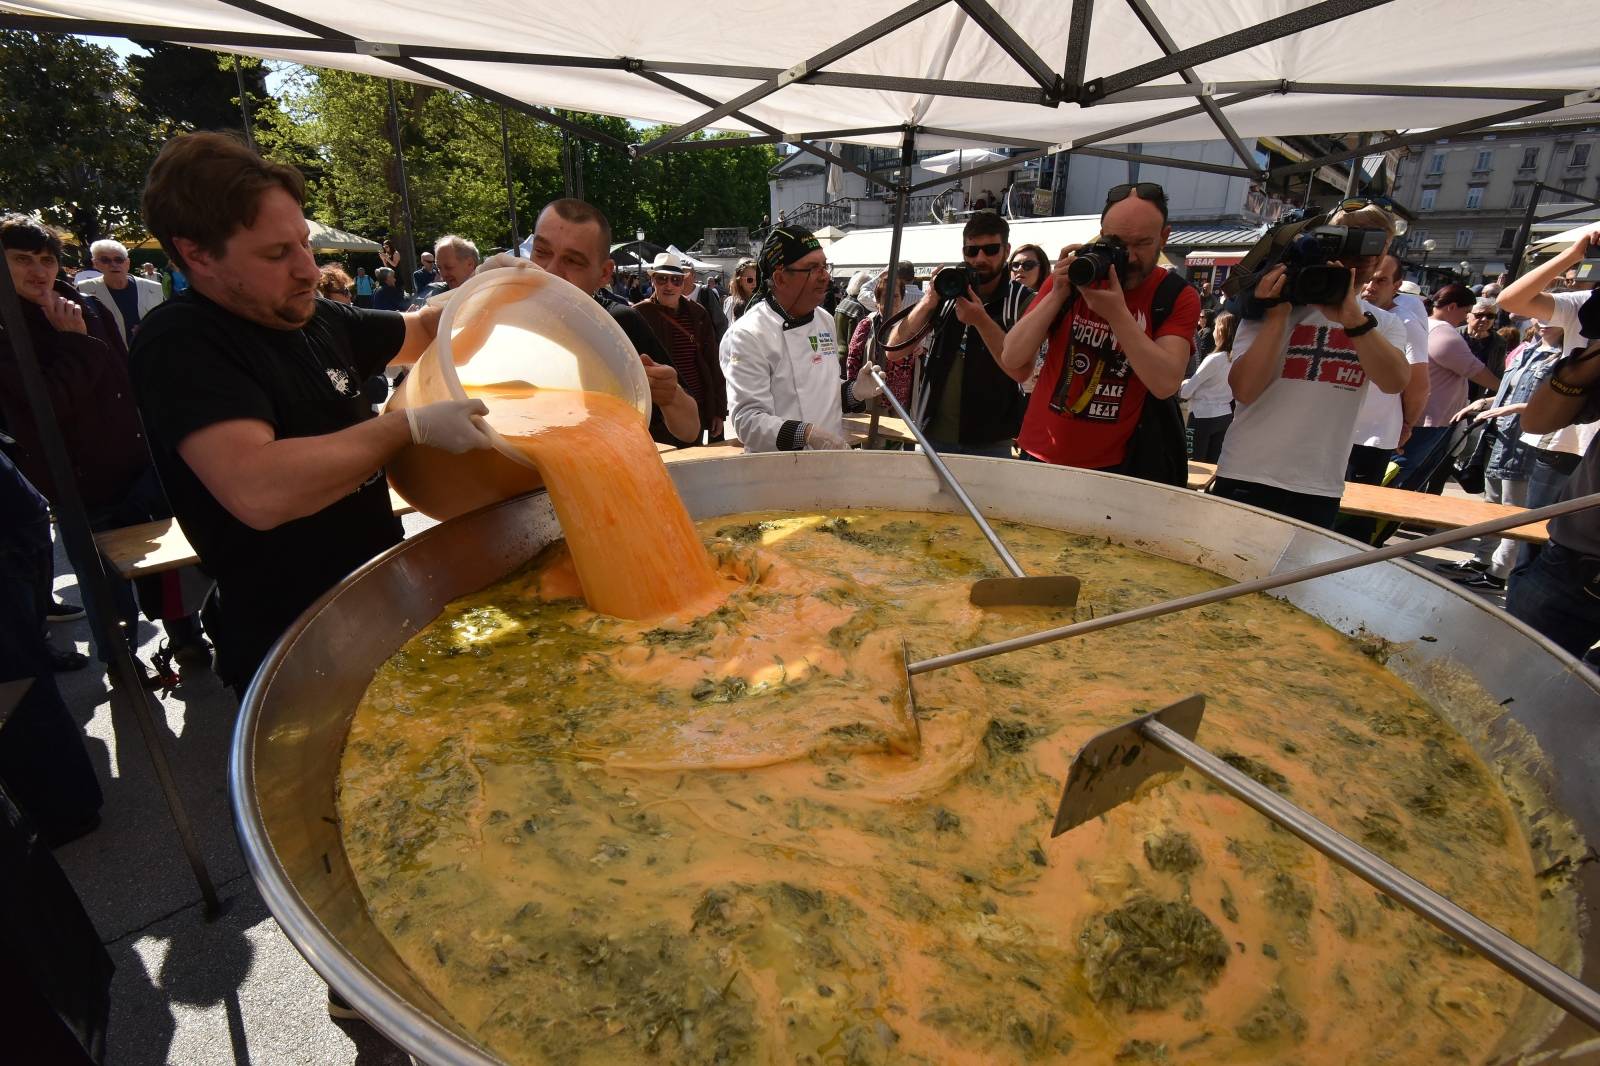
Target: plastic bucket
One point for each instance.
(504, 326)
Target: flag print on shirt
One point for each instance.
(1323, 353)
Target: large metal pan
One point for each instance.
(286, 748)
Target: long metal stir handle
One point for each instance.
(1260, 584)
(1533, 970)
(946, 476)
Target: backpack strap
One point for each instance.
(1165, 299)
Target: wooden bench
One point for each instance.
(1416, 508)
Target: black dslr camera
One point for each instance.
(1310, 253)
(951, 282)
(1094, 261)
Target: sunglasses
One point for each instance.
(110, 259)
(1147, 190)
(971, 250)
(826, 268)
(1026, 264)
(666, 279)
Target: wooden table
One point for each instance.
(1417, 508)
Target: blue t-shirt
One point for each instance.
(363, 285)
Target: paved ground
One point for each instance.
(187, 991)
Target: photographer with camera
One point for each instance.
(967, 402)
(1120, 331)
(1306, 365)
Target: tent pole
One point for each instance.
(1352, 184)
(124, 677)
(902, 194)
(1525, 231)
(408, 247)
(244, 105)
(511, 195)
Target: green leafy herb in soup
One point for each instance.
(717, 839)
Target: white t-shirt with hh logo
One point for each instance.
(1296, 435)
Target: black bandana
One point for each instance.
(785, 245)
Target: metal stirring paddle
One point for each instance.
(1018, 590)
(1261, 584)
(1112, 767)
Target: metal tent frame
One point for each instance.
(1047, 88)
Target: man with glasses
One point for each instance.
(127, 299)
(1485, 342)
(424, 275)
(689, 337)
(781, 357)
(1116, 347)
(967, 401)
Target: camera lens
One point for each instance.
(1086, 269)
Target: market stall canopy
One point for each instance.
(325, 238)
(961, 72)
(960, 159)
(927, 247)
(1556, 241)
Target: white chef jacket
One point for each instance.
(777, 375)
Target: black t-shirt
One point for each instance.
(127, 300)
(196, 364)
(646, 342)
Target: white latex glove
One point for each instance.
(865, 386)
(454, 426)
(505, 259)
(820, 440)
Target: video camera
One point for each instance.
(1094, 261)
(1308, 250)
(951, 283)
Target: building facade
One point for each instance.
(1471, 193)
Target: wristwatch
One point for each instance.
(1366, 327)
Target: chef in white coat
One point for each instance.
(781, 358)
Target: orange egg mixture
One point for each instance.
(712, 836)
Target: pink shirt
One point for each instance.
(1450, 364)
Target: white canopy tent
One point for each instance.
(325, 238)
(958, 72)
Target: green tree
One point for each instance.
(182, 89)
(335, 126)
(73, 144)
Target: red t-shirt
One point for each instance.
(1094, 429)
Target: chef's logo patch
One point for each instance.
(1323, 354)
(813, 341)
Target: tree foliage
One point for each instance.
(182, 89)
(74, 145)
(335, 125)
(78, 133)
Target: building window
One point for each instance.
(1463, 239)
(1475, 197)
(1428, 198)
(1508, 239)
(1485, 161)
(1519, 196)
(1571, 184)
(1530, 158)
(1436, 164)
(1580, 156)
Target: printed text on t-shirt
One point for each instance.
(1323, 353)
